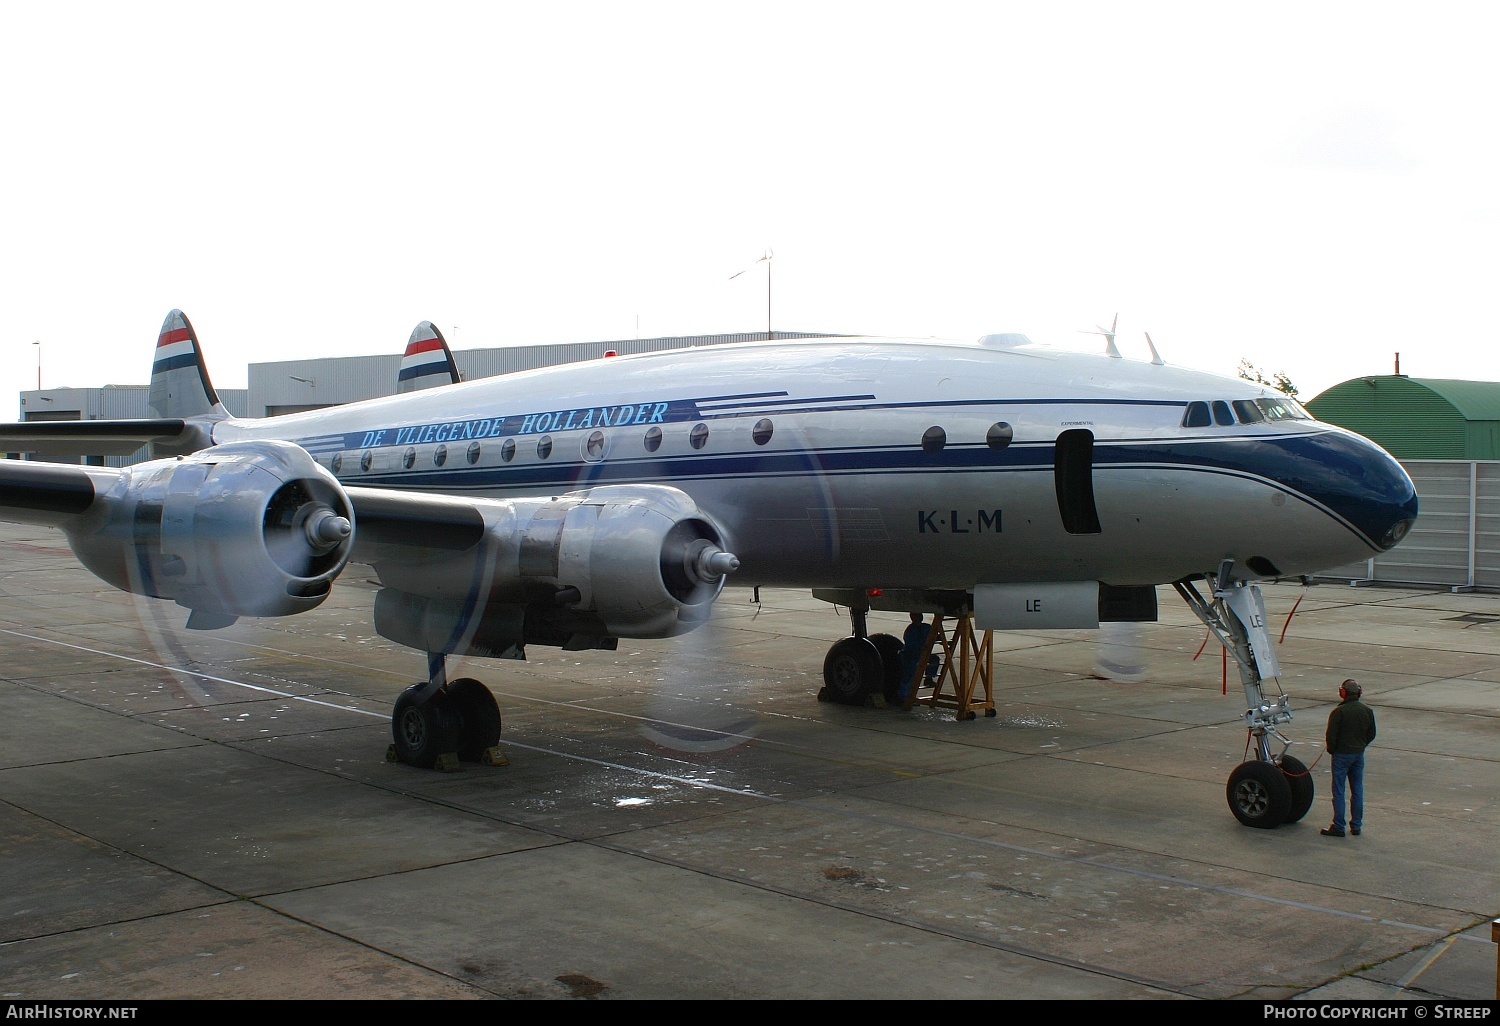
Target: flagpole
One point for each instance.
(768, 259)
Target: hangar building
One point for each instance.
(1446, 433)
(1418, 418)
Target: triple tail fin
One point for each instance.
(179, 377)
(428, 362)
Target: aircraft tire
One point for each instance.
(478, 718)
(1301, 783)
(423, 731)
(1259, 794)
(889, 646)
(852, 671)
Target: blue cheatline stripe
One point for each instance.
(1326, 470)
(719, 407)
(709, 408)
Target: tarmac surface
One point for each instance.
(212, 815)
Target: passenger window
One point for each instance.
(338, 462)
(1000, 435)
(440, 456)
(473, 454)
(366, 458)
(544, 447)
(653, 439)
(699, 436)
(409, 457)
(761, 433)
(933, 439)
(1221, 412)
(593, 449)
(507, 450)
(1197, 415)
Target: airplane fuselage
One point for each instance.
(858, 463)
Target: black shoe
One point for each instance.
(1332, 832)
(1354, 831)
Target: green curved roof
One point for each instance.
(1474, 400)
(1418, 418)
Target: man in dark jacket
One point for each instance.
(913, 644)
(1351, 728)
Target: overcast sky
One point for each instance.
(1311, 186)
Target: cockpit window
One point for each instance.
(1244, 411)
(1282, 409)
(1248, 412)
(1197, 415)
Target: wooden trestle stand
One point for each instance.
(967, 671)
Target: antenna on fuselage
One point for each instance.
(1109, 337)
(1155, 356)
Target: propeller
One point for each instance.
(302, 532)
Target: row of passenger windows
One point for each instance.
(593, 447)
(1242, 411)
(934, 439)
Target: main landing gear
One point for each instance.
(862, 665)
(957, 667)
(1269, 789)
(440, 722)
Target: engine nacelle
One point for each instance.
(642, 560)
(576, 571)
(242, 529)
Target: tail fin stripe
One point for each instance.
(179, 380)
(167, 363)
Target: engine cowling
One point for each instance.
(642, 559)
(575, 571)
(241, 529)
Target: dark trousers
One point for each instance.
(1350, 768)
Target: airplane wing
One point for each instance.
(94, 437)
(258, 528)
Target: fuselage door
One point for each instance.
(1073, 470)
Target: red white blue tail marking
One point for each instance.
(428, 362)
(179, 379)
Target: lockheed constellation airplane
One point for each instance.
(574, 505)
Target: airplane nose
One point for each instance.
(1396, 496)
(1364, 485)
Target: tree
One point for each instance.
(1278, 380)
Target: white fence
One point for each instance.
(1456, 540)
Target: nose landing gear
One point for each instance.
(1270, 789)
